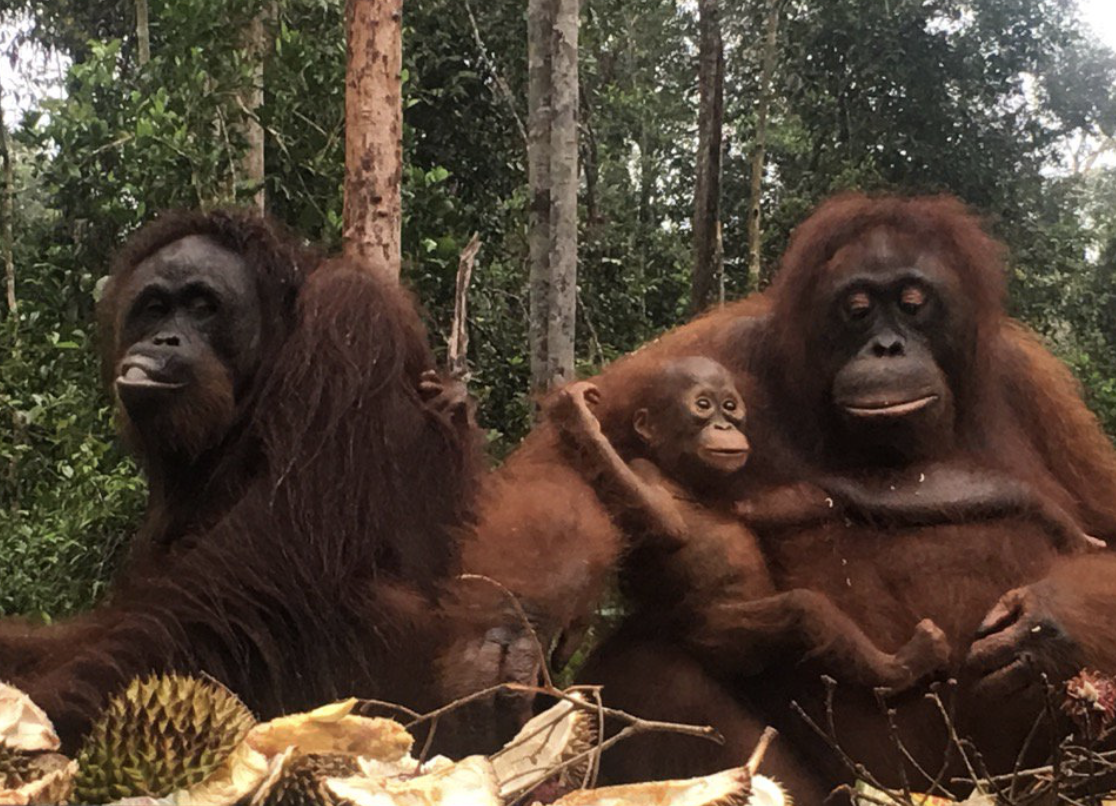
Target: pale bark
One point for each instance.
(540, 32)
(258, 42)
(562, 298)
(374, 132)
(707, 186)
(457, 346)
(143, 33)
(755, 229)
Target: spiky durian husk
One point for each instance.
(545, 743)
(161, 734)
(16, 768)
(303, 781)
(34, 777)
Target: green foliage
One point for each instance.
(980, 98)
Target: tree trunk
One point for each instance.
(7, 234)
(562, 299)
(755, 230)
(707, 186)
(374, 131)
(540, 32)
(7, 215)
(143, 33)
(257, 44)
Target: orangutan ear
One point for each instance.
(641, 422)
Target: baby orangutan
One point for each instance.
(696, 559)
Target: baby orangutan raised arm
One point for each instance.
(695, 554)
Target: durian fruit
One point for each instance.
(737, 787)
(15, 767)
(470, 782)
(29, 771)
(548, 740)
(32, 778)
(302, 781)
(24, 725)
(335, 729)
(161, 734)
(381, 748)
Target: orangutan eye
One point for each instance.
(704, 404)
(202, 305)
(730, 405)
(858, 305)
(154, 308)
(911, 299)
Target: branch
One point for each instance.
(458, 346)
(502, 85)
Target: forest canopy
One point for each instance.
(1008, 104)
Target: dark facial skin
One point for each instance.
(896, 325)
(695, 429)
(189, 336)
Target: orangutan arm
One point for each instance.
(957, 494)
(1047, 400)
(637, 491)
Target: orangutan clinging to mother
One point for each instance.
(882, 358)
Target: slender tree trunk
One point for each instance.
(258, 42)
(7, 235)
(755, 229)
(540, 32)
(374, 131)
(7, 215)
(562, 300)
(143, 33)
(707, 187)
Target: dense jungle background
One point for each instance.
(1010, 104)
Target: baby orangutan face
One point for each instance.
(694, 427)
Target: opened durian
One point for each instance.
(379, 747)
(16, 768)
(547, 741)
(24, 725)
(162, 733)
(736, 787)
(30, 772)
(302, 781)
(469, 782)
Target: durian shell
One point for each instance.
(469, 782)
(34, 778)
(15, 767)
(161, 734)
(334, 729)
(24, 725)
(380, 747)
(553, 737)
(729, 788)
(302, 781)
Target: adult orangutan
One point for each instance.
(882, 358)
(307, 474)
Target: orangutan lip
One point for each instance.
(892, 409)
(726, 452)
(136, 377)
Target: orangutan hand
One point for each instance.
(449, 398)
(1020, 641)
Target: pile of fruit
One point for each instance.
(179, 741)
